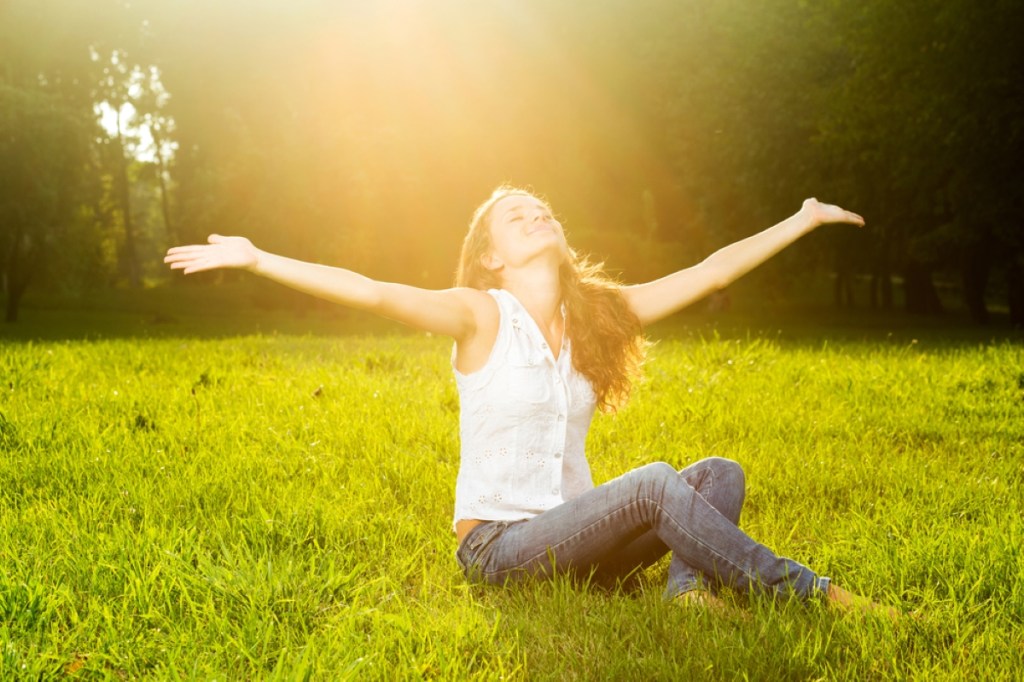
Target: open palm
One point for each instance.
(221, 252)
(821, 214)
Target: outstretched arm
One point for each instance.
(662, 297)
(451, 312)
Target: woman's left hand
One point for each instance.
(819, 214)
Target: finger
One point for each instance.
(190, 248)
(200, 266)
(182, 255)
(215, 239)
(848, 220)
(180, 263)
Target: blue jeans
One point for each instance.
(628, 523)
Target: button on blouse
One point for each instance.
(523, 421)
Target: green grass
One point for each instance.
(280, 507)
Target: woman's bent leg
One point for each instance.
(719, 481)
(577, 535)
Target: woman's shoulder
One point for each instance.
(473, 352)
(481, 302)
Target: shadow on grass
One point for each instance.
(259, 308)
(817, 326)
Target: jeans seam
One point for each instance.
(644, 505)
(698, 541)
(711, 483)
(553, 548)
(633, 503)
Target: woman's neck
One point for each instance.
(539, 290)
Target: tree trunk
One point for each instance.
(13, 289)
(881, 275)
(1015, 292)
(172, 236)
(843, 292)
(14, 293)
(16, 287)
(124, 186)
(919, 290)
(881, 287)
(976, 268)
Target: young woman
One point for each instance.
(542, 338)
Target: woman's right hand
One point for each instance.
(467, 315)
(221, 252)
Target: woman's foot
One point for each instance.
(848, 602)
(701, 598)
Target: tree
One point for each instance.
(119, 88)
(927, 118)
(44, 172)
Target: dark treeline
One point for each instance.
(363, 134)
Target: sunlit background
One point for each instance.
(363, 134)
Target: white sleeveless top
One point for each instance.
(523, 422)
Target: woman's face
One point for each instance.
(523, 228)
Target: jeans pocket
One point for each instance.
(471, 552)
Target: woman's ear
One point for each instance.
(491, 261)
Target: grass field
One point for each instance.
(278, 506)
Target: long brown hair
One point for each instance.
(607, 345)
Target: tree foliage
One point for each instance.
(364, 133)
(44, 161)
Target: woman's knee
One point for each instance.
(655, 476)
(727, 473)
(659, 470)
(727, 491)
